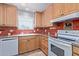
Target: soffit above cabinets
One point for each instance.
(65, 18)
(31, 7)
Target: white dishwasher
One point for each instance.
(9, 46)
(0, 46)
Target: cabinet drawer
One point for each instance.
(76, 50)
(26, 37)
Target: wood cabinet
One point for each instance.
(75, 50)
(2, 19)
(22, 45)
(44, 44)
(61, 9)
(69, 8)
(27, 44)
(8, 15)
(47, 15)
(31, 44)
(37, 42)
(77, 7)
(38, 19)
(51, 12)
(11, 17)
(56, 10)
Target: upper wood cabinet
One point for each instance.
(2, 21)
(77, 7)
(8, 15)
(56, 10)
(69, 8)
(47, 15)
(11, 17)
(38, 19)
(61, 9)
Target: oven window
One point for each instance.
(57, 50)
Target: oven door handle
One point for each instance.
(60, 43)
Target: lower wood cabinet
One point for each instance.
(44, 44)
(27, 44)
(37, 42)
(75, 50)
(44, 49)
(22, 45)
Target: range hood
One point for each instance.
(65, 18)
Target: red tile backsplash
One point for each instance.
(5, 30)
(24, 31)
(76, 24)
(59, 26)
(43, 30)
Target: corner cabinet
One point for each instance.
(8, 15)
(44, 44)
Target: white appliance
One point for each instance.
(62, 44)
(8, 46)
(0, 47)
(58, 48)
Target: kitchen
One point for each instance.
(39, 29)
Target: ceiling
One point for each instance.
(32, 7)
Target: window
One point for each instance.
(25, 20)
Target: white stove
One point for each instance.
(62, 44)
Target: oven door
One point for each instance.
(57, 48)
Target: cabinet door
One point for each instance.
(43, 19)
(44, 49)
(44, 41)
(22, 45)
(69, 8)
(2, 20)
(76, 50)
(77, 7)
(31, 44)
(10, 15)
(48, 15)
(37, 42)
(38, 19)
(44, 45)
(57, 10)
